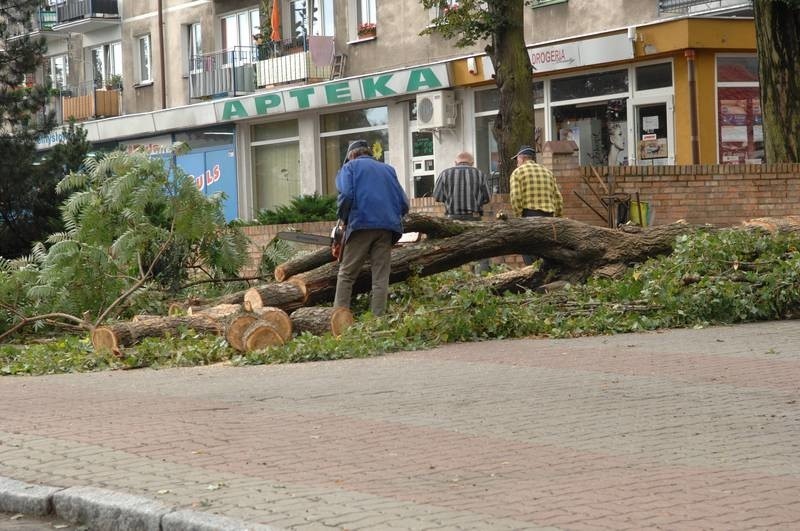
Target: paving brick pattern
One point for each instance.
(684, 429)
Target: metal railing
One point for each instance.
(77, 9)
(223, 73)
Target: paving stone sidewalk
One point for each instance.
(682, 429)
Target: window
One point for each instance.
(59, 71)
(654, 76)
(365, 18)
(106, 63)
(337, 130)
(741, 133)
(144, 72)
(442, 8)
(589, 85)
(276, 163)
(323, 21)
(194, 47)
(237, 31)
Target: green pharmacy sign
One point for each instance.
(336, 92)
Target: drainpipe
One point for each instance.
(162, 54)
(689, 54)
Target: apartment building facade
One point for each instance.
(268, 96)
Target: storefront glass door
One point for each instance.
(652, 131)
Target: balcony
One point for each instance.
(83, 16)
(740, 8)
(41, 25)
(244, 69)
(86, 101)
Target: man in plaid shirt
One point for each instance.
(534, 191)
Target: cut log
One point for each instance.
(305, 262)
(277, 318)
(219, 311)
(260, 335)
(320, 320)
(115, 336)
(234, 331)
(252, 300)
(287, 296)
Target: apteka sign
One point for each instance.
(332, 93)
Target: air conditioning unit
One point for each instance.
(436, 110)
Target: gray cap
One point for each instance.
(525, 150)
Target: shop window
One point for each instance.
(654, 76)
(741, 134)
(589, 85)
(599, 129)
(742, 68)
(276, 164)
(339, 129)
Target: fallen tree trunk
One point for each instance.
(432, 227)
(115, 336)
(320, 320)
(238, 325)
(571, 249)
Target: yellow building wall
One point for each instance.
(707, 37)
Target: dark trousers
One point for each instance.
(532, 213)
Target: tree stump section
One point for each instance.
(319, 320)
(260, 335)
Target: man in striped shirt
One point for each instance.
(462, 188)
(534, 191)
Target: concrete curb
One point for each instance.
(19, 497)
(107, 510)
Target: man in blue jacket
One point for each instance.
(371, 205)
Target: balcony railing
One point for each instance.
(43, 20)
(77, 9)
(85, 101)
(699, 7)
(245, 68)
(224, 73)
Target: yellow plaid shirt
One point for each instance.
(534, 187)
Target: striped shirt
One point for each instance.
(534, 187)
(462, 189)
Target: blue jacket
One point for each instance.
(370, 197)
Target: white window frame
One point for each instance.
(363, 11)
(144, 59)
(194, 37)
(60, 81)
(436, 11)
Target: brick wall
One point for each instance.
(721, 195)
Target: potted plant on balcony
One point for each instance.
(367, 30)
(114, 82)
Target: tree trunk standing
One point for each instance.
(514, 124)
(778, 41)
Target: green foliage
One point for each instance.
(131, 224)
(719, 277)
(301, 209)
(277, 252)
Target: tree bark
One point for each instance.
(320, 320)
(432, 227)
(571, 249)
(778, 41)
(514, 124)
(115, 336)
